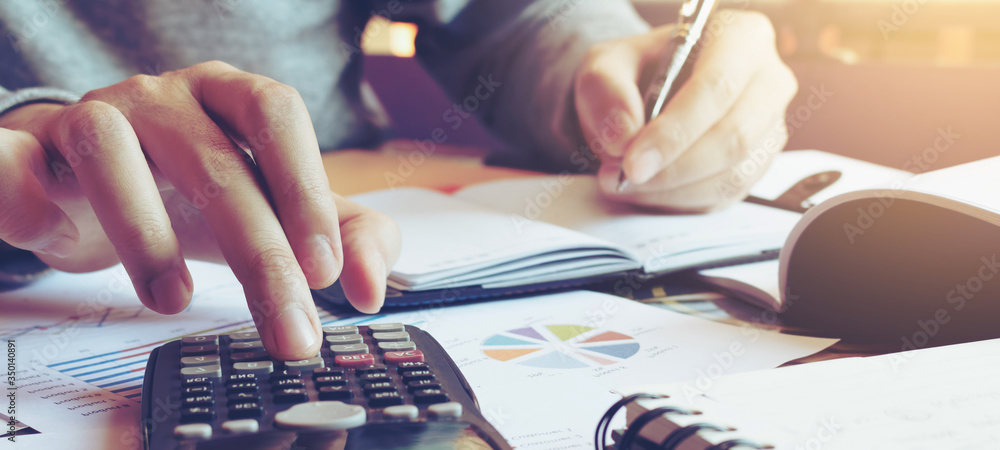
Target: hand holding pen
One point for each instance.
(713, 116)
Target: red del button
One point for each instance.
(401, 357)
(364, 360)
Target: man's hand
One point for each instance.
(150, 169)
(717, 135)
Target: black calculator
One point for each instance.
(380, 386)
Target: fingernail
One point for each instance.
(60, 247)
(293, 332)
(645, 166)
(323, 263)
(170, 291)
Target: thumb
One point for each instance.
(608, 102)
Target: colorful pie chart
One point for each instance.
(560, 346)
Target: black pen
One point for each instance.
(675, 68)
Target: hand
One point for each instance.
(149, 169)
(713, 140)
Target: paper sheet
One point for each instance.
(545, 368)
(943, 397)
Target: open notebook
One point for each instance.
(527, 231)
(935, 398)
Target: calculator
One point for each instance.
(380, 386)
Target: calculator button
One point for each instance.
(401, 357)
(414, 375)
(248, 346)
(335, 393)
(197, 414)
(325, 415)
(395, 336)
(405, 366)
(246, 409)
(325, 371)
(450, 410)
(195, 390)
(194, 361)
(241, 377)
(246, 386)
(340, 330)
(259, 355)
(291, 396)
(417, 385)
(381, 386)
(355, 360)
(244, 336)
(209, 339)
(193, 431)
(241, 426)
(198, 350)
(288, 383)
(408, 412)
(257, 368)
(214, 371)
(306, 364)
(370, 370)
(386, 327)
(287, 373)
(195, 381)
(331, 380)
(345, 339)
(383, 399)
(349, 349)
(374, 377)
(396, 346)
(198, 400)
(425, 396)
(242, 397)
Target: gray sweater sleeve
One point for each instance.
(13, 99)
(521, 55)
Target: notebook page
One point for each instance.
(444, 235)
(789, 168)
(935, 398)
(658, 240)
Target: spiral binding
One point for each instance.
(673, 440)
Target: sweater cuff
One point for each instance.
(10, 100)
(19, 267)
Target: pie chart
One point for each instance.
(560, 346)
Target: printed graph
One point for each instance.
(560, 346)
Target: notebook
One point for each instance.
(942, 397)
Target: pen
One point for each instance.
(675, 67)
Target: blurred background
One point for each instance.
(879, 80)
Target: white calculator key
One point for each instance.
(345, 339)
(306, 364)
(339, 330)
(245, 336)
(401, 412)
(246, 346)
(386, 327)
(450, 410)
(395, 336)
(396, 346)
(213, 371)
(241, 426)
(323, 415)
(256, 367)
(349, 349)
(194, 361)
(193, 431)
(209, 339)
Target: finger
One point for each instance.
(718, 190)
(112, 171)
(29, 220)
(606, 95)
(371, 247)
(275, 123)
(723, 70)
(732, 140)
(215, 176)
